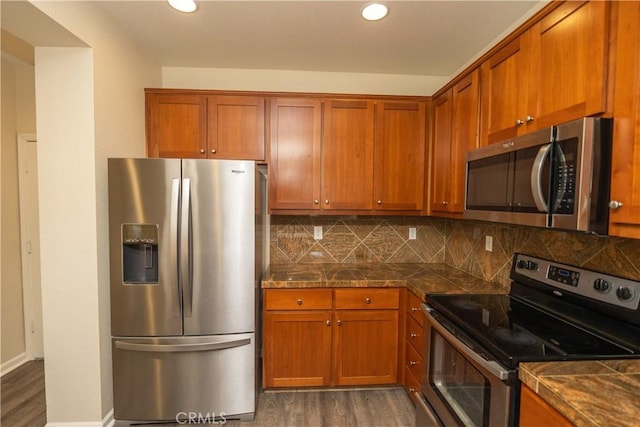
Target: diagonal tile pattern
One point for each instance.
(456, 243)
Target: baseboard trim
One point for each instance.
(13, 363)
(107, 421)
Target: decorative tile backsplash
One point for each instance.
(457, 243)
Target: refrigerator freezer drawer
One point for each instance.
(159, 379)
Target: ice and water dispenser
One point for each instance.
(139, 254)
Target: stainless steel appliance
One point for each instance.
(185, 262)
(474, 343)
(555, 177)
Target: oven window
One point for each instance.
(460, 385)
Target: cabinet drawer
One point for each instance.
(414, 334)
(297, 299)
(369, 298)
(413, 361)
(414, 308)
(411, 383)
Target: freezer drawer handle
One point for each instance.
(172, 348)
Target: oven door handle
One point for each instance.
(489, 365)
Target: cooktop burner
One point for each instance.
(513, 335)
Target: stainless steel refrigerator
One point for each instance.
(186, 255)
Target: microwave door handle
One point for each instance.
(536, 178)
(185, 254)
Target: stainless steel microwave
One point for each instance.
(555, 177)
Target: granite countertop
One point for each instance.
(421, 279)
(588, 393)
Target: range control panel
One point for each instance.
(590, 284)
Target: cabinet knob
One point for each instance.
(316, 201)
(413, 363)
(339, 322)
(367, 300)
(213, 151)
(414, 309)
(413, 335)
(412, 390)
(445, 203)
(328, 322)
(529, 119)
(299, 302)
(326, 202)
(202, 151)
(519, 122)
(379, 202)
(614, 204)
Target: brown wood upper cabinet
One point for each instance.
(196, 125)
(455, 132)
(624, 218)
(347, 155)
(295, 144)
(554, 72)
(356, 155)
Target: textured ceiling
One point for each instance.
(427, 38)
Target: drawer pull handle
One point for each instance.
(414, 309)
(299, 302)
(367, 300)
(413, 363)
(413, 335)
(412, 390)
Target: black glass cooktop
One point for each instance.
(513, 331)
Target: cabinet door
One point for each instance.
(625, 180)
(535, 412)
(442, 119)
(464, 137)
(399, 155)
(236, 127)
(176, 125)
(568, 63)
(294, 164)
(365, 347)
(504, 92)
(347, 158)
(297, 348)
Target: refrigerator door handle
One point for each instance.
(173, 240)
(172, 348)
(185, 250)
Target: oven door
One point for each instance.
(460, 384)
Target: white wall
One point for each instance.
(90, 106)
(299, 81)
(18, 116)
(64, 86)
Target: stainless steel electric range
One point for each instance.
(473, 343)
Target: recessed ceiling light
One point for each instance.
(183, 5)
(374, 11)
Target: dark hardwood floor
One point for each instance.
(389, 407)
(23, 405)
(22, 401)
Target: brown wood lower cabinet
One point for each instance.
(414, 320)
(366, 347)
(534, 411)
(297, 349)
(308, 341)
